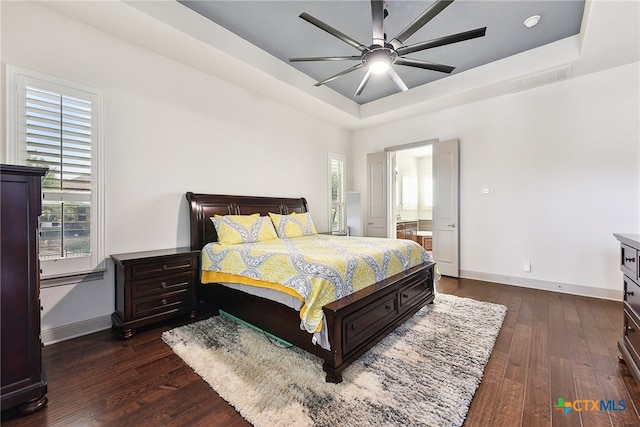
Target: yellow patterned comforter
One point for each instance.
(316, 269)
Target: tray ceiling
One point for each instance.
(276, 28)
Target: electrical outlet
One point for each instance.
(526, 266)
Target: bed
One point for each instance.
(353, 323)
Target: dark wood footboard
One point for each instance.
(355, 323)
(359, 321)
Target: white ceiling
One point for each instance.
(609, 36)
(275, 27)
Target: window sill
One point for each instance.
(72, 278)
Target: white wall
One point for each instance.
(169, 129)
(563, 164)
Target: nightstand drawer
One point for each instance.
(145, 307)
(161, 284)
(165, 266)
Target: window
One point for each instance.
(57, 125)
(337, 184)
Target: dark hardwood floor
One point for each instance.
(551, 346)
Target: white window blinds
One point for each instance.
(58, 130)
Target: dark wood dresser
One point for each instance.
(153, 286)
(23, 380)
(629, 345)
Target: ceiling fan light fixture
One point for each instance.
(379, 67)
(532, 21)
(378, 60)
(381, 56)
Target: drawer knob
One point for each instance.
(164, 267)
(388, 307)
(628, 329)
(628, 293)
(405, 296)
(354, 327)
(629, 259)
(163, 285)
(163, 302)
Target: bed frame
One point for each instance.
(355, 323)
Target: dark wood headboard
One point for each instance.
(203, 206)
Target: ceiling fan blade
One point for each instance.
(420, 21)
(377, 20)
(363, 83)
(395, 78)
(442, 41)
(425, 65)
(341, 73)
(326, 58)
(329, 29)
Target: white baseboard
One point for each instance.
(565, 288)
(74, 330)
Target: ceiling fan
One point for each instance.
(380, 56)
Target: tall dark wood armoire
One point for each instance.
(23, 380)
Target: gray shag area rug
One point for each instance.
(423, 374)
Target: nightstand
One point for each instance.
(154, 285)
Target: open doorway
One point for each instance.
(412, 194)
(385, 202)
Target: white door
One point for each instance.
(445, 207)
(377, 200)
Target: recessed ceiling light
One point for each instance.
(531, 21)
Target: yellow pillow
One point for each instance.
(234, 229)
(293, 225)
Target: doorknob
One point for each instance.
(451, 225)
